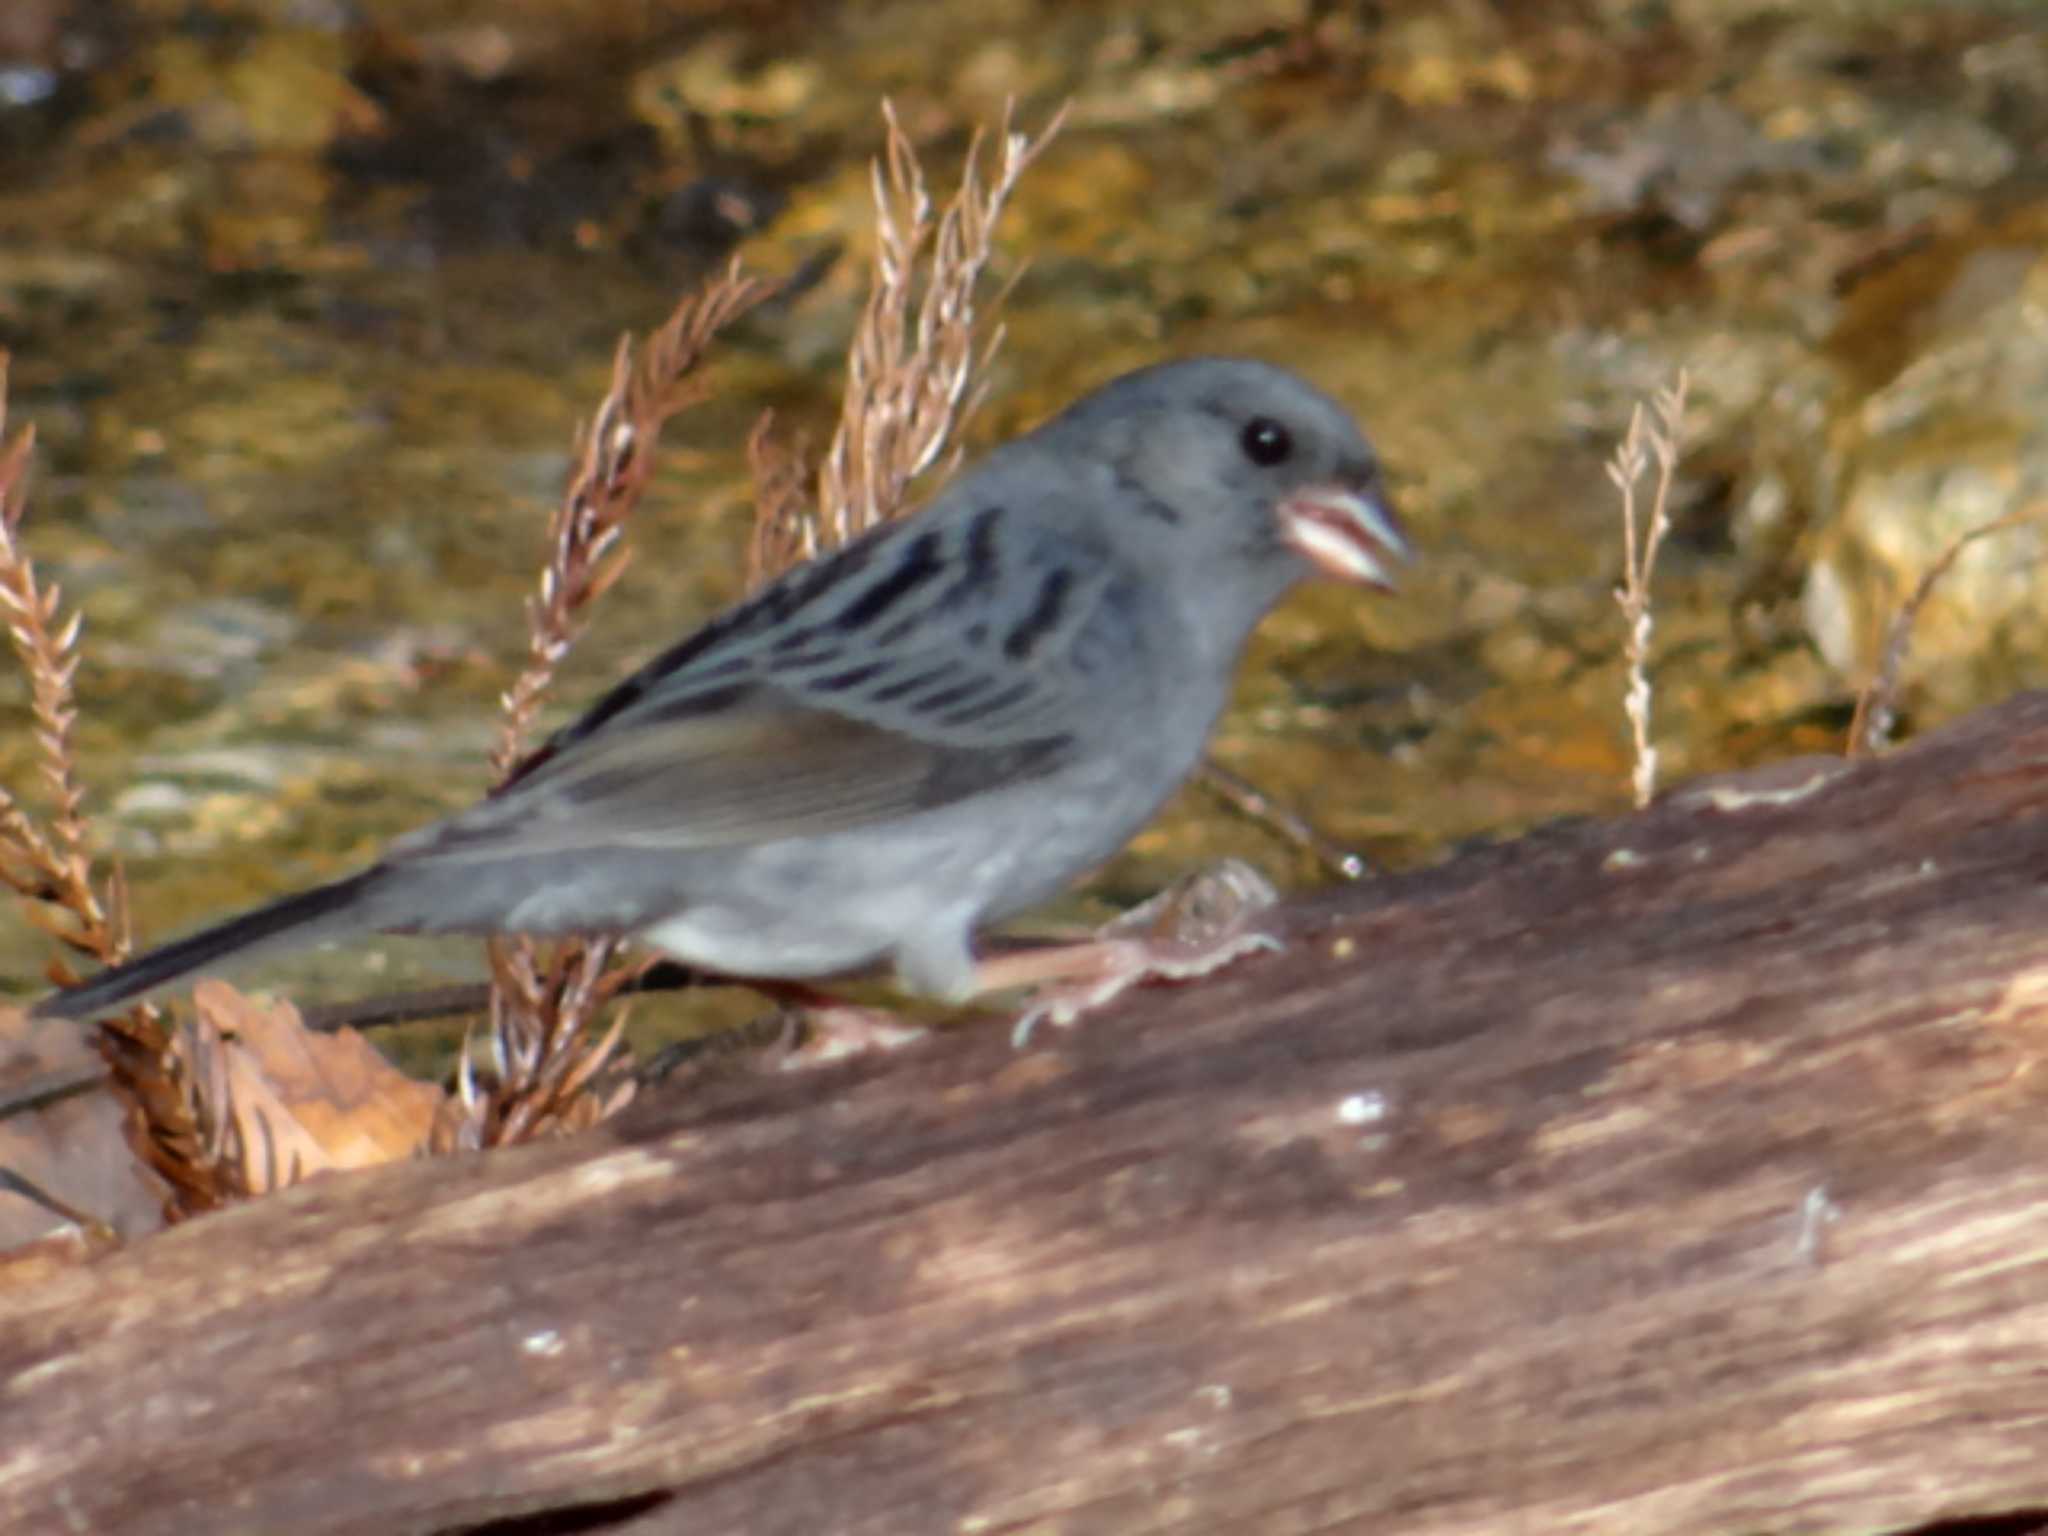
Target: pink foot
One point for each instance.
(1195, 926)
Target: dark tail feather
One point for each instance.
(302, 919)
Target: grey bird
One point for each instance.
(934, 727)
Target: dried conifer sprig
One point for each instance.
(52, 870)
(614, 457)
(784, 516)
(544, 1076)
(544, 1059)
(916, 356)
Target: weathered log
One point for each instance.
(1681, 1173)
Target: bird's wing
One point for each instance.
(871, 696)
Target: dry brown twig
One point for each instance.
(1290, 826)
(1870, 729)
(168, 1122)
(1654, 436)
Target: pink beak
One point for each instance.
(1347, 532)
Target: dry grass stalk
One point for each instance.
(19, 1185)
(614, 457)
(52, 870)
(1654, 436)
(917, 353)
(1870, 729)
(543, 997)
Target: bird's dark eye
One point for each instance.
(1265, 441)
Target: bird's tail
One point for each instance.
(305, 918)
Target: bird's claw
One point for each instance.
(1195, 926)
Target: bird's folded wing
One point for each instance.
(763, 768)
(764, 765)
(755, 731)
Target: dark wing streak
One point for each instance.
(1018, 660)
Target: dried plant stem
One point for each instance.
(784, 516)
(614, 457)
(916, 356)
(543, 1065)
(1870, 729)
(22, 1186)
(167, 1121)
(52, 869)
(1654, 436)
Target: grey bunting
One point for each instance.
(933, 727)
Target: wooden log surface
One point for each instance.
(1681, 1173)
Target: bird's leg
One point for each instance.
(1195, 926)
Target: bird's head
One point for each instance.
(1226, 464)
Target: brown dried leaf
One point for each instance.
(292, 1103)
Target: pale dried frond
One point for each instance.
(1876, 716)
(921, 345)
(1656, 436)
